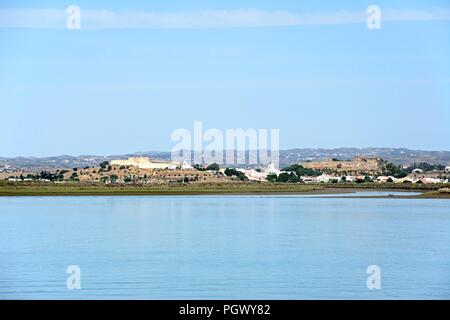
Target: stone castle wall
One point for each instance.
(357, 164)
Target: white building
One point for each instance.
(307, 179)
(261, 175)
(384, 179)
(146, 163)
(254, 175)
(272, 170)
(326, 178)
(431, 180)
(186, 166)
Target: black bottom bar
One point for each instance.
(230, 309)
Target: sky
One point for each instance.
(138, 70)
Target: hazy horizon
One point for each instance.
(136, 72)
(168, 151)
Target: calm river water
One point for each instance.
(223, 247)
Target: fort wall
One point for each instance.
(356, 165)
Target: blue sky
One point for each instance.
(115, 87)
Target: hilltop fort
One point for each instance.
(357, 165)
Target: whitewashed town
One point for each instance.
(146, 170)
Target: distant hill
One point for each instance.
(395, 155)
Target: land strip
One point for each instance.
(256, 188)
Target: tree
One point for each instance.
(241, 176)
(395, 171)
(233, 172)
(127, 179)
(293, 178)
(198, 167)
(104, 164)
(230, 172)
(283, 177)
(213, 167)
(272, 177)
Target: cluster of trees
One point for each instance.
(290, 177)
(395, 171)
(212, 167)
(400, 172)
(45, 175)
(301, 171)
(187, 179)
(112, 178)
(105, 166)
(233, 172)
(293, 173)
(426, 167)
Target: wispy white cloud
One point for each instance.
(106, 19)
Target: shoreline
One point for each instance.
(42, 190)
